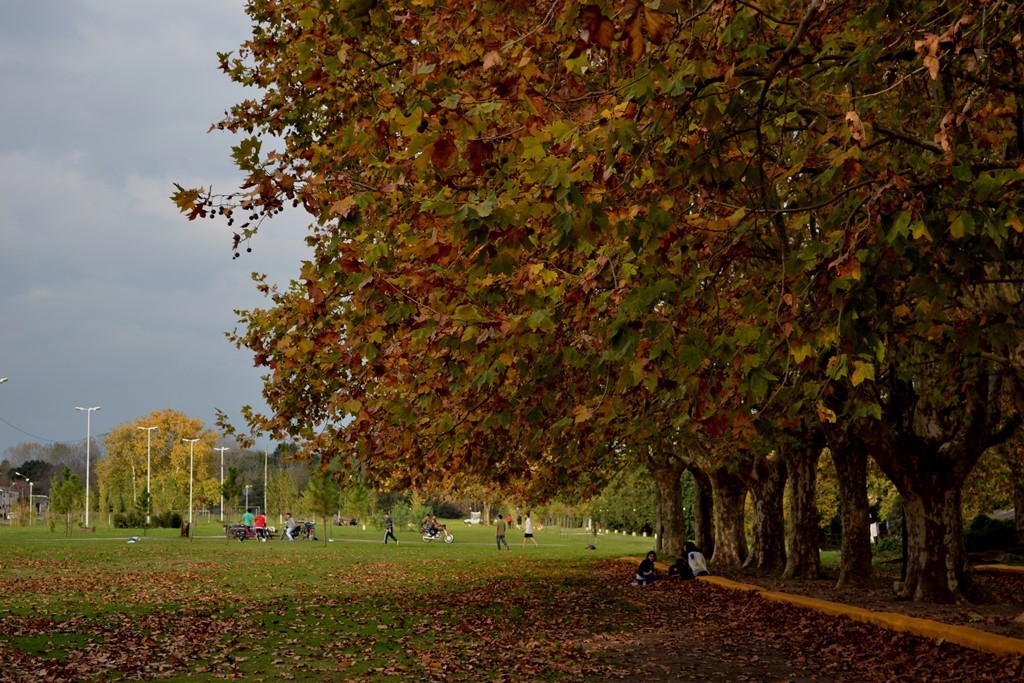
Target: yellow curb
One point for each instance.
(1009, 568)
(976, 639)
(658, 564)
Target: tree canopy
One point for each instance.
(122, 474)
(546, 235)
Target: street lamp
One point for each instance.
(191, 451)
(19, 474)
(88, 439)
(149, 486)
(2, 380)
(222, 449)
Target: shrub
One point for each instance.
(889, 546)
(167, 520)
(129, 520)
(985, 533)
(445, 509)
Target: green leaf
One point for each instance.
(862, 371)
(800, 352)
(900, 227)
(962, 225)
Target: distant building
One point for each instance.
(8, 497)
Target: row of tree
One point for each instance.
(551, 240)
(629, 502)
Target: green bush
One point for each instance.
(985, 533)
(889, 546)
(129, 520)
(445, 509)
(167, 520)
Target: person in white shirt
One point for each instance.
(697, 563)
(528, 531)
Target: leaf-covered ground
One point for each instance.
(719, 634)
(165, 610)
(998, 597)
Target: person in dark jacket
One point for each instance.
(680, 569)
(389, 525)
(646, 574)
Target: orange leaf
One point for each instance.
(659, 26)
(443, 153)
(492, 59)
(478, 154)
(635, 39)
(605, 33)
(856, 127)
(595, 28)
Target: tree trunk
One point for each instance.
(1018, 510)
(730, 536)
(703, 512)
(804, 559)
(672, 526)
(767, 486)
(659, 526)
(929, 476)
(936, 560)
(931, 437)
(1017, 471)
(851, 462)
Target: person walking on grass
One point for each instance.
(289, 527)
(499, 532)
(528, 530)
(390, 526)
(247, 520)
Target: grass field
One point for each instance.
(96, 607)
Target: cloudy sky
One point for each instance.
(108, 296)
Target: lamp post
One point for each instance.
(149, 485)
(247, 487)
(88, 440)
(221, 449)
(191, 452)
(19, 474)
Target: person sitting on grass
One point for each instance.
(680, 569)
(646, 573)
(696, 560)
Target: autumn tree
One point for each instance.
(123, 472)
(282, 492)
(997, 483)
(548, 231)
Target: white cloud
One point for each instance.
(107, 294)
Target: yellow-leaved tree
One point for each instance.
(158, 460)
